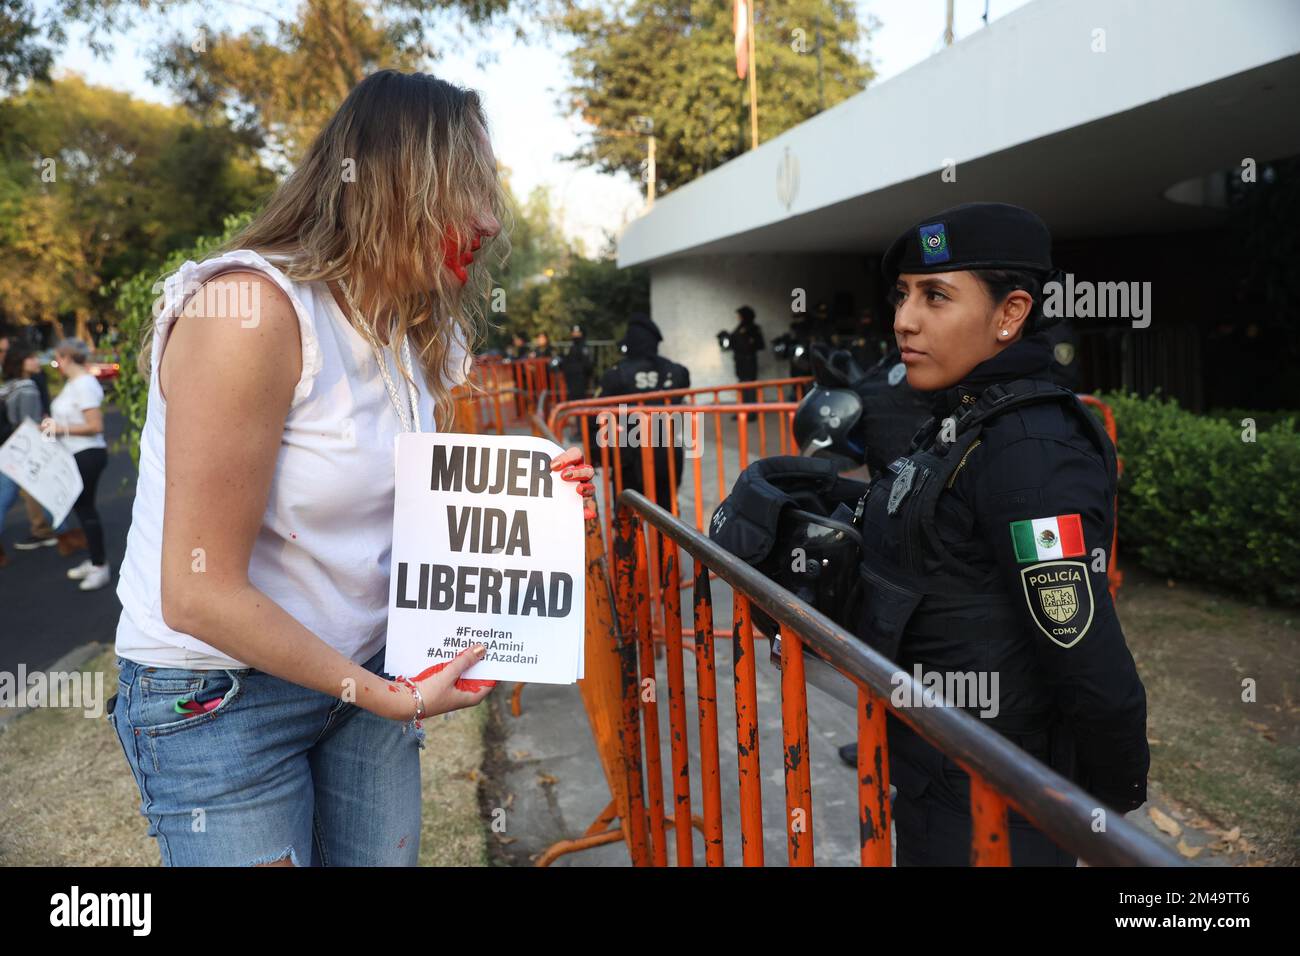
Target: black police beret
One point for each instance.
(974, 235)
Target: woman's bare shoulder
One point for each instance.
(241, 324)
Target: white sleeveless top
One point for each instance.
(323, 550)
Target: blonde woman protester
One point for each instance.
(255, 584)
(77, 418)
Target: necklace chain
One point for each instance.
(409, 415)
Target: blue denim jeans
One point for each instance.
(9, 494)
(275, 771)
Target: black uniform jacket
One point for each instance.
(1026, 518)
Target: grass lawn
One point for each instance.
(1235, 762)
(67, 797)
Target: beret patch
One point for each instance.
(934, 243)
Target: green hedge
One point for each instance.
(1198, 502)
(135, 302)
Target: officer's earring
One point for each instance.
(1004, 332)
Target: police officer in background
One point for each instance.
(576, 365)
(984, 548)
(643, 369)
(746, 343)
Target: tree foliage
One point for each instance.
(673, 61)
(283, 71)
(94, 184)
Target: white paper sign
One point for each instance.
(43, 468)
(488, 548)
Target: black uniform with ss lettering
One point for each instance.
(643, 369)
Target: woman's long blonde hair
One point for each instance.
(400, 166)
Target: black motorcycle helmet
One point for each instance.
(826, 423)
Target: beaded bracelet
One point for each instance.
(417, 719)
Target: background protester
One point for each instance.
(20, 401)
(77, 418)
(42, 534)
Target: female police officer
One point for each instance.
(984, 548)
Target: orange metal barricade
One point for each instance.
(623, 710)
(681, 415)
(1003, 777)
(499, 394)
(648, 540)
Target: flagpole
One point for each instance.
(753, 77)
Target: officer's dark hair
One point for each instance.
(1000, 283)
(745, 312)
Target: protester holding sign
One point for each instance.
(255, 588)
(77, 420)
(20, 401)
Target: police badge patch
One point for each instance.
(901, 486)
(1059, 594)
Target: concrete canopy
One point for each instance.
(1032, 113)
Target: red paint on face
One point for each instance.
(452, 257)
(455, 260)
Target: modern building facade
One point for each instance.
(1139, 131)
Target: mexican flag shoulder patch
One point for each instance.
(1046, 539)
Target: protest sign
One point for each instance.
(488, 549)
(43, 468)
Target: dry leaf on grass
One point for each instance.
(1191, 852)
(1164, 822)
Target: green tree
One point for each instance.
(278, 80)
(95, 184)
(593, 293)
(24, 51)
(538, 251)
(673, 61)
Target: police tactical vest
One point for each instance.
(912, 584)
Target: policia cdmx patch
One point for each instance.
(1060, 599)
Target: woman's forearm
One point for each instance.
(63, 431)
(247, 625)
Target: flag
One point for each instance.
(1047, 539)
(740, 24)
